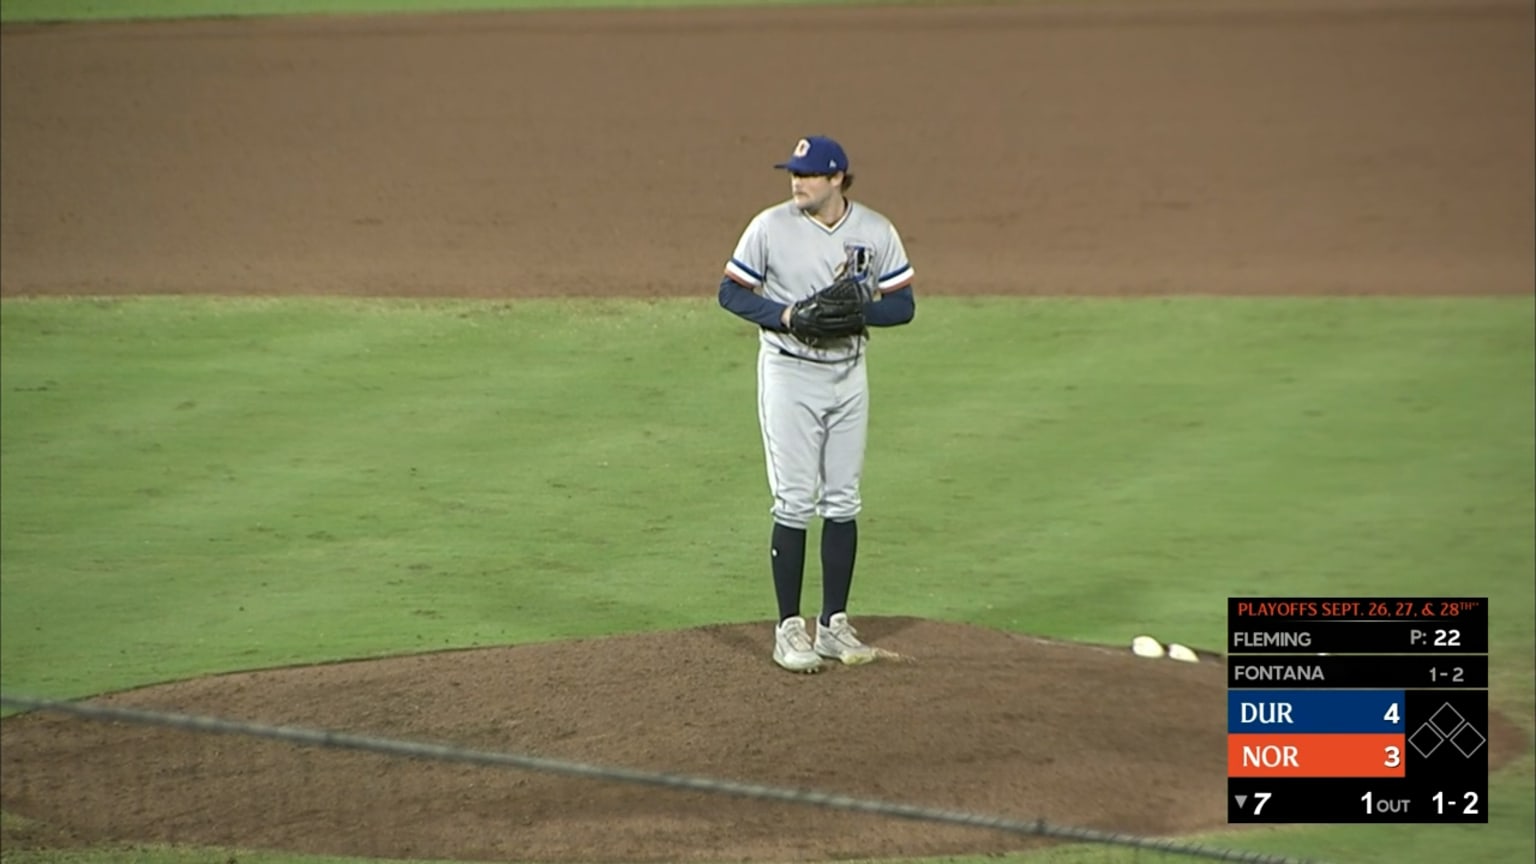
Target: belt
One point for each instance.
(794, 356)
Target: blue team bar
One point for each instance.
(1319, 711)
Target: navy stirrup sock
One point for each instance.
(839, 548)
(788, 556)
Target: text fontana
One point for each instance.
(1277, 673)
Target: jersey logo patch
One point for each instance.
(858, 258)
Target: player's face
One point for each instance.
(813, 191)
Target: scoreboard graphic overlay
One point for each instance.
(1371, 709)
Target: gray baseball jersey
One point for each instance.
(789, 255)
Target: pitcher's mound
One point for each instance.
(972, 719)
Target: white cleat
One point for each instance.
(839, 641)
(792, 646)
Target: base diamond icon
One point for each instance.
(1447, 720)
(1426, 740)
(1444, 725)
(1468, 740)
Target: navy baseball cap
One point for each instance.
(816, 154)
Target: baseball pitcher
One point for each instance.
(815, 273)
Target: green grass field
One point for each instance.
(201, 485)
(193, 486)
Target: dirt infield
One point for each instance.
(1087, 148)
(1298, 146)
(978, 720)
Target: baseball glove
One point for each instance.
(834, 312)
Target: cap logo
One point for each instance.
(803, 147)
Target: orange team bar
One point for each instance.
(1349, 755)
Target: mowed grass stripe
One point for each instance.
(322, 474)
(1170, 450)
(360, 477)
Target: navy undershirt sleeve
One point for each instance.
(750, 305)
(895, 308)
